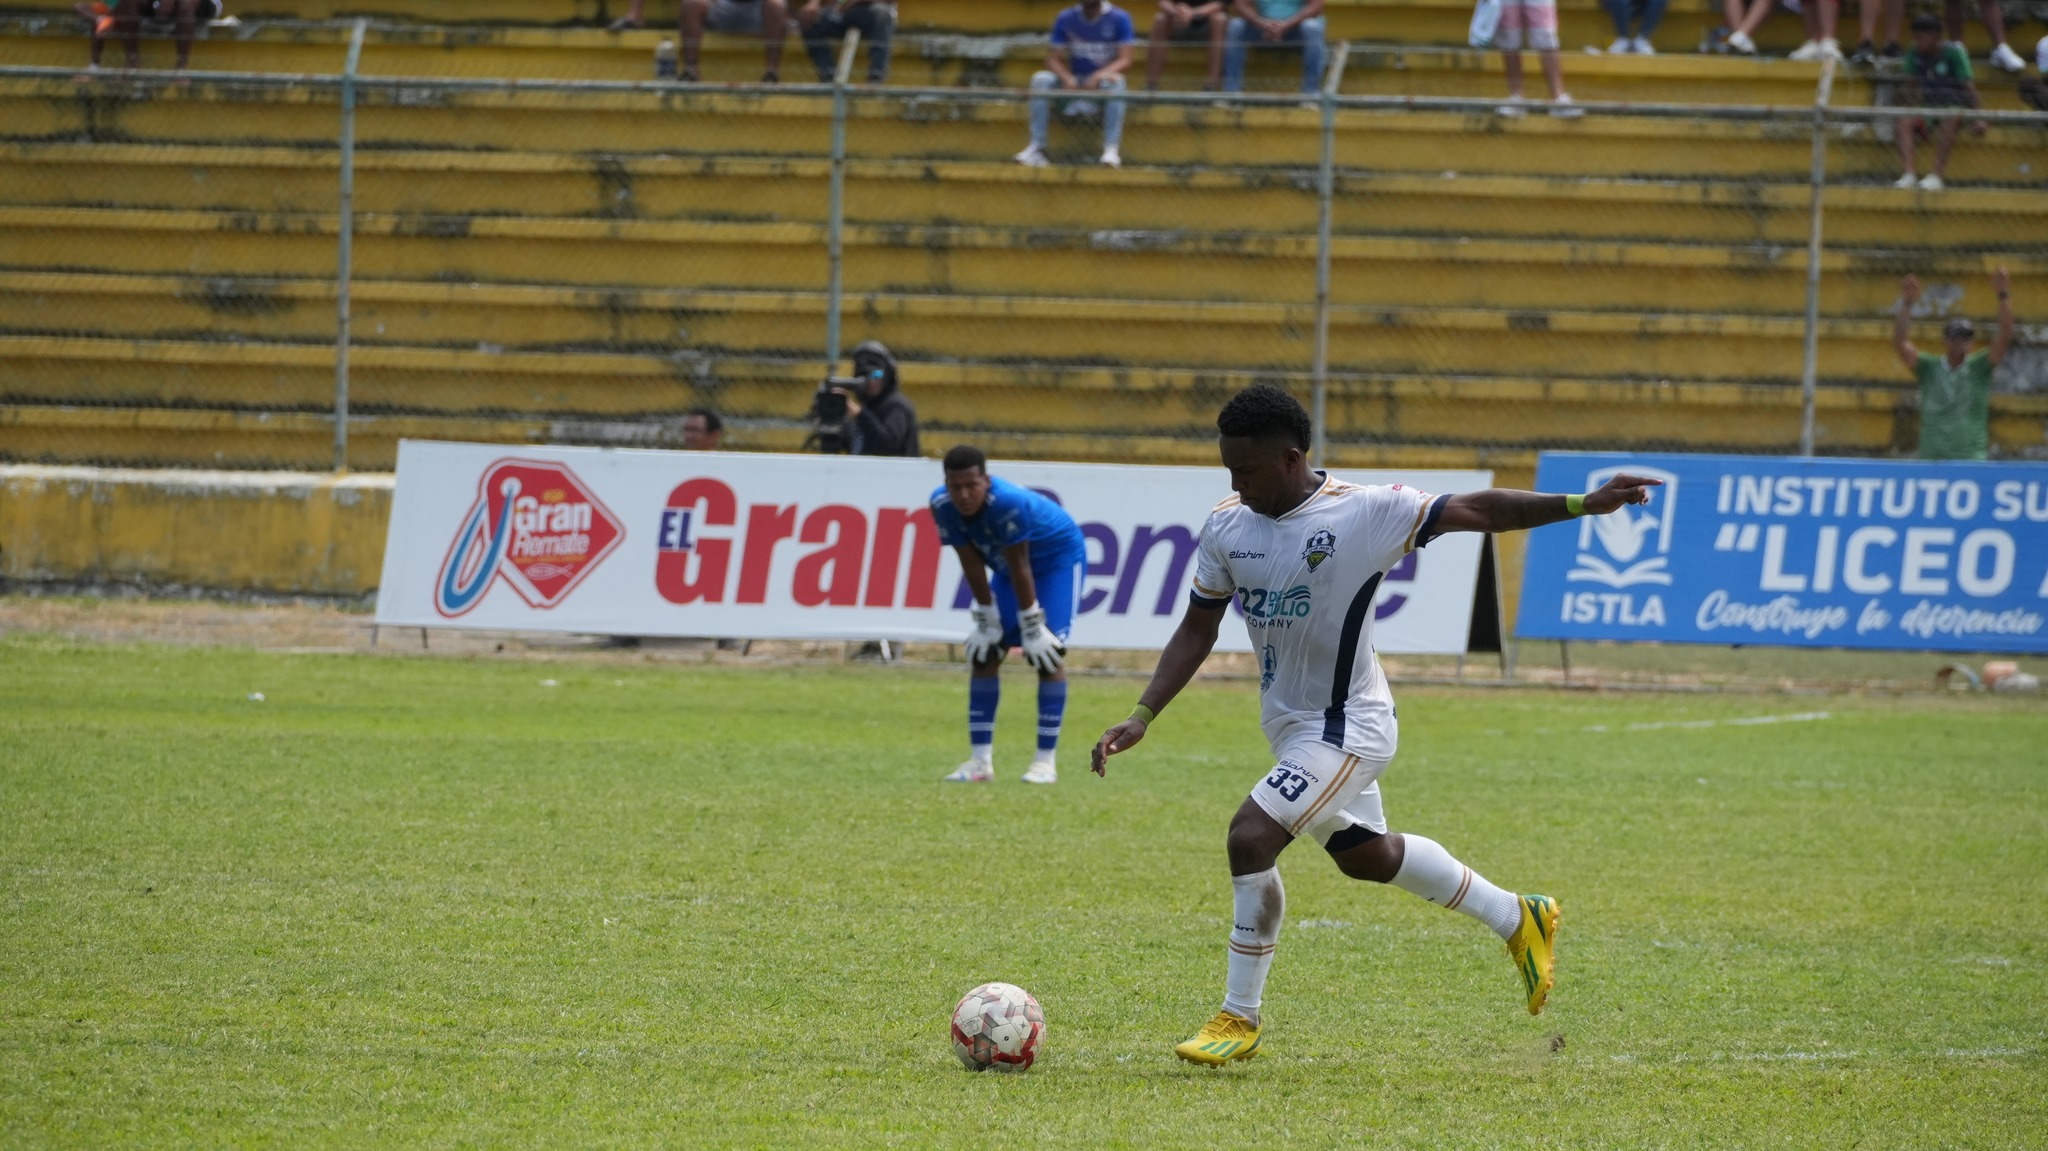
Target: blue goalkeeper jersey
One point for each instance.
(1013, 515)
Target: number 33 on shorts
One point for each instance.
(1289, 782)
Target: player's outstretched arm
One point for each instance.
(1178, 662)
(1508, 510)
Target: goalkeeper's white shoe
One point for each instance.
(973, 771)
(1042, 771)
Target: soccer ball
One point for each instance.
(999, 1026)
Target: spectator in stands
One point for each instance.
(1644, 15)
(767, 18)
(1198, 22)
(126, 17)
(2002, 55)
(1820, 17)
(1937, 76)
(703, 431)
(1536, 21)
(824, 24)
(1955, 388)
(1867, 51)
(1091, 51)
(1271, 23)
(880, 420)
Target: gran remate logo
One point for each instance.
(535, 525)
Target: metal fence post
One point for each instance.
(1326, 189)
(835, 221)
(347, 228)
(1809, 375)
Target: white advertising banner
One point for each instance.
(815, 547)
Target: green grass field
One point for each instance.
(434, 901)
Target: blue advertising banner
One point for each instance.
(1947, 556)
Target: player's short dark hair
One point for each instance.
(711, 421)
(965, 456)
(1926, 23)
(1264, 412)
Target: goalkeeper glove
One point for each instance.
(1042, 649)
(987, 634)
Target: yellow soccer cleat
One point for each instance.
(1221, 1040)
(1534, 948)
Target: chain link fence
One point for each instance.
(585, 262)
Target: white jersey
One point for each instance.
(1304, 583)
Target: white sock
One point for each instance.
(1042, 759)
(982, 753)
(1257, 902)
(1429, 871)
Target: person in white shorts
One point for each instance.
(1302, 554)
(1536, 22)
(767, 18)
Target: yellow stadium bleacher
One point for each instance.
(541, 264)
(1582, 23)
(942, 60)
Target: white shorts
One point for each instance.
(1532, 20)
(1318, 790)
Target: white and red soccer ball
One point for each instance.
(998, 1026)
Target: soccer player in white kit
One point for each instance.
(1302, 554)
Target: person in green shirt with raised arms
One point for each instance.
(1955, 388)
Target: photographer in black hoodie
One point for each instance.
(879, 420)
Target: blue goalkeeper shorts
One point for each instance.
(1058, 591)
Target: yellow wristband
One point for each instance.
(1144, 713)
(1575, 506)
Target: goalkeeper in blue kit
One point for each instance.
(1023, 556)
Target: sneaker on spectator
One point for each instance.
(1740, 44)
(1111, 158)
(1564, 109)
(1033, 157)
(1892, 51)
(1622, 46)
(1909, 180)
(1831, 49)
(1931, 183)
(1865, 55)
(1641, 46)
(1514, 109)
(1811, 50)
(2005, 58)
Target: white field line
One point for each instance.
(1829, 1056)
(1746, 721)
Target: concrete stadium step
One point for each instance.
(1526, 276)
(289, 180)
(992, 329)
(155, 437)
(942, 60)
(635, 399)
(763, 398)
(1582, 23)
(701, 122)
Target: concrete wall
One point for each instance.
(276, 532)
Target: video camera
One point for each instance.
(828, 413)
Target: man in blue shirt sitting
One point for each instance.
(1023, 556)
(1091, 51)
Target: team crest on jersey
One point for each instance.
(535, 526)
(1320, 546)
